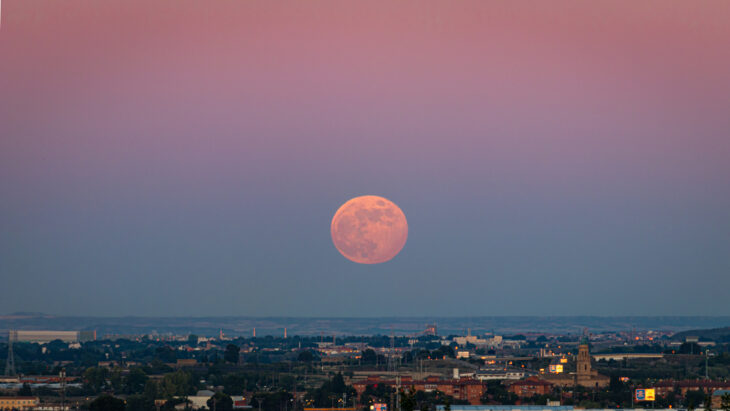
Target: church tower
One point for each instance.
(584, 362)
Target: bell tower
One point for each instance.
(584, 361)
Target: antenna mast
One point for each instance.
(10, 363)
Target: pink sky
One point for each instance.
(613, 113)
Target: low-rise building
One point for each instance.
(200, 399)
(681, 387)
(18, 403)
(720, 399)
(186, 362)
(499, 374)
(465, 389)
(530, 387)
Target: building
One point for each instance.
(717, 399)
(331, 409)
(584, 375)
(681, 387)
(185, 362)
(430, 330)
(240, 402)
(455, 407)
(530, 387)
(627, 356)
(493, 342)
(44, 337)
(200, 399)
(465, 389)
(18, 403)
(500, 374)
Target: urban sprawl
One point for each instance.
(79, 370)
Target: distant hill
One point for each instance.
(712, 334)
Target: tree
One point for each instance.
(25, 390)
(330, 391)
(443, 352)
(135, 382)
(408, 400)
(369, 356)
(234, 384)
(220, 402)
(615, 384)
(231, 354)
(689, 348)
(338, 383)
(165, 354)
(56, 345)
(429, 400)
(95, 378)
(106, 402)
(115, 379)
(305, 356)
(694, 398)
(287, 382)
(498, 393)
(139, 402)
(376, 393)
(407, 357)
(272, 401)
(193, 340)
(174, 384)
(151, 390)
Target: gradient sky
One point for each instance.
(185, 157)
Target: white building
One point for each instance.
(46, 336)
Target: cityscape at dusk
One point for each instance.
(364, 205)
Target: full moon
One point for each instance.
(369, 229)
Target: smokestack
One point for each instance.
(254, 332)
(284, 332)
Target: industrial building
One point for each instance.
(45, 336)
